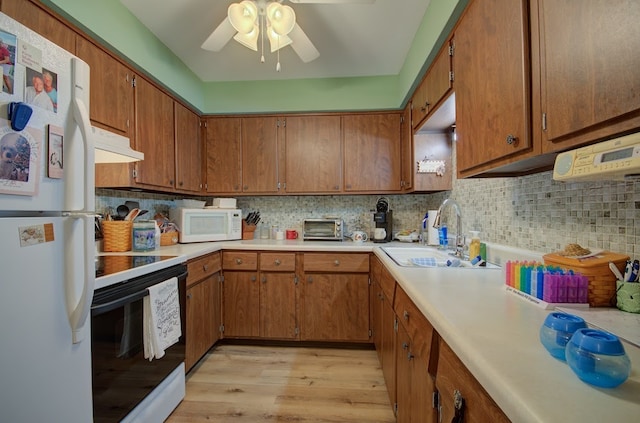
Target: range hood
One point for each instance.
(612, 160)
(113, 148)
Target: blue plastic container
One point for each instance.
(557, 330)
(598, 358)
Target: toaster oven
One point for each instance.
(324, 229)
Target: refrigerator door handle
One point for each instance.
(80, 309)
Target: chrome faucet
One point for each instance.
(459, 248)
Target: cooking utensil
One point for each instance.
(616, 272)
(122, 211)
(132, 214)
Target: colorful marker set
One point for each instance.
(548, 283)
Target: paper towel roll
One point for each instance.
(432, 233)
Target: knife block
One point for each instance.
(248, 231)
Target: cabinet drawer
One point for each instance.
(417, 326)
(452, 375)
(328, 262)
(239, 260)
(202, 267)
(278, 262)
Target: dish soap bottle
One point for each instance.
(474, 245)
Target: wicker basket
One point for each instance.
(117, 235)
(168, 238)
(602, 282)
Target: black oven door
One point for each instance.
(122, 377)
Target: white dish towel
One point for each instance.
(161, 309)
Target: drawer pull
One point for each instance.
(405, 345)
(511, 139)
(309, 279)
(406, 315)
(264, 279)
(336, 263)
(409, 356)
(277, 262)
(238, 261)
(253, 278)
(205, 267)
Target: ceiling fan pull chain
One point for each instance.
(278, 64)
(262, 38)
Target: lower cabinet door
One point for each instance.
(278, 306)
(241, 304)
(335, 307)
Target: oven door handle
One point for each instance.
(97, 309)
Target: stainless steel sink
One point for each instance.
(429, 257)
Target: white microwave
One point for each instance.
(203, 225)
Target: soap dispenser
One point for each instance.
(474, 245)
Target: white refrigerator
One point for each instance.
(46, 236)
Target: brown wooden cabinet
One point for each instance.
(223, 155)
(383, 323)
(372, 152)
(492, 89)
(313, 154)
(240, 294)
(453, 379)
(406, 150)
(586, 85)
(242, 155)
(188, 150)
(436, 85)
(42, 21)
(432, 147)
(415, 363)
(203, 314)
(278, 296)
(154, 136)
(334, 304)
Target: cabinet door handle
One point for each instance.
(253, 278)
(246, 188)
(458, 406)
(309, 279)
(264, 279)
(336, 263)
(511, 139)
(189, 296)
(406, 315)
(238, 261)
(409, 356)
(277, 262)
(405, 345)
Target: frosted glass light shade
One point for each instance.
(249, 40)
(282, 18)
(243, 16)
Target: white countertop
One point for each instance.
(494, 332)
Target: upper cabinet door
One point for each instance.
(223, 148)
(433, 88)
(491, 64)
(111, 89)
(589, 78)
(154, 136)
(41, 21)
(372, 159)
(313, 156)
(188, 148)
(260, 155)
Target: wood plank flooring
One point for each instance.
(243, 384)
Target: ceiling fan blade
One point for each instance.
(332, 1)
(220, 37)
(303, 45)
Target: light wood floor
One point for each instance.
(243, 384)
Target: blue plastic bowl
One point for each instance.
(557, 330)
(598, 358)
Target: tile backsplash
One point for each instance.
(531, 212)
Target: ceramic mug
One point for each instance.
(292, 234)
(379, 233)
(359, 236)
(279, 234)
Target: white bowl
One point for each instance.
(190, 204)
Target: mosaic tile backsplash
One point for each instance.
(531, 212)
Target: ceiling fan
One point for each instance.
(248, 20)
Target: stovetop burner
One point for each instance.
(107, 265)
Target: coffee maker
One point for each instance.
(383, 218)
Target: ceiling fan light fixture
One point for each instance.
(243, 16)
(282, 18)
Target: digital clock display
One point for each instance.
(625, 153)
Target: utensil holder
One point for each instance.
(248, 231)
(117, 235)
(168, 238)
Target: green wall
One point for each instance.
(112, 23)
